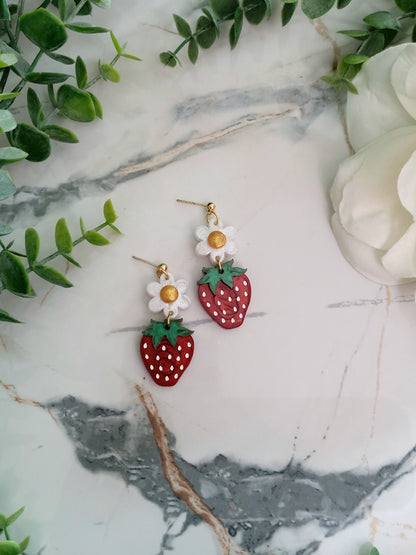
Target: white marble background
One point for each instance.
(322, 372)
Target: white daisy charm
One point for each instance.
(215, 240)
(168, 295)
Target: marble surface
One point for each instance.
(294, 434)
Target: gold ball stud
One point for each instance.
(169, 294)
(216, 239)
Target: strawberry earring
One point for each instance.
(224, 290)
(166, 347)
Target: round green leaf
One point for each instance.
(50, 274)
(9, 548)
(254, 10)
(7, 187)
(109, 73)
(193, 50)
(342, 3)
(44, 29)
(168, 59)
(224, 8)
(4, 11)
(75, 104)
(10, 154)
(109, 212)
(97, 106)
(61, 58)
(235, 30)
(96, 238)
(81, 72)
(63, 237)
(7, 121)
(316, 8)
(34, 107)
(7, 60)
(46, 77)
(6, 317)
(406, 5)
(31, 245)
(5, 229)
(61, 134)
(205, 32)
(13, 275)
(382, 20)
(31, 140)
(182, 26)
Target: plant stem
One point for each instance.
(78, 8)
(20, 8)
(6, 533)
(23, 81)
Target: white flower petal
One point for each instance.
(370, 208)
(181, 285)
(203, 248)
(172, 308)
(400, 260)
(363, 258)
(156, 304)
(230, 232)
(406, 185)
(230, 247)
(202, 232)
(403, 78)
(376, 109)
(154, 288)
(183, 302)
(217, 253)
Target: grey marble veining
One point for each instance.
(252, 502)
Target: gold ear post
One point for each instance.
(160, 268)
(210, 208)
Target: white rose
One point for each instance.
(374, 191)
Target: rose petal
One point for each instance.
(346, 170)
(363, 258)
(370, 208)
(181, 285)
(156, 304)
(202, 232)
(183, 302)
(403, 78)
(400, 260)
(154, 288)
(406, 185)
(376, 109)
(203, 248)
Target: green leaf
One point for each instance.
(110, 215)
(82, 226)
(31, 140)
(58, 133)
(287, 12)
(51, 95)
(75, 104)
(374, 551)
(60, 58)
(7, 187)
(50, 274)
(414, 34)
(63, 238)
(71, 260)
(169, 59)
(130, 57)
(350, 86)
(44, 29)
(9, 548)
(23, 544)
(7, 121)
(236, 27)
(268, 8)
(182, 26)
(86, 8)
(354, 59)
(5, 229)
(22, 66)
(4, 11)
(114, 228)
(359, 34)
(6, 317)
(115, 43)
(382, 20)
(46, 77)
(10, 154)
(12, 518)
(81, 27)
(205, 32)
(34, 107)
(7, 96)
(193, 50)
(105, 4)
(108, 73)
(62, 9)
(406, 5)
(31, 245)
(13, 275)
(224, 8)
(81, 72)
(7, 60)
(254, 10)
(97, 106)
(373, 45)
(316, 8)
(342, 3)
(158, 330)
(96, 238)
(211, 15)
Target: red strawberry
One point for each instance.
(166, 351)
(225, 294)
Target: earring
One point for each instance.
(224, 290)
(166, 347)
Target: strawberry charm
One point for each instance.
(225, 293)
(166, 347)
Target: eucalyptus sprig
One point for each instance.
(14, 275)
(8, 546)
(219, 12)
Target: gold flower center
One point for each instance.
(169, 294)
(216, 239)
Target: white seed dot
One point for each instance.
(244, 306)
(160, 368)
(208, 305)
(181, 367)
(171, 367)
(238, 299)
(219, 303)
(157, 357)
(169, 357)
(178, 358)
(235, 309)
(167, 378)
(179, 348)
(223, 320)
(163, 347)
(215, 313)
(224, 312)
(176, 376)
(146, 356)
(230, 299)
(157, 376)
(204, 294)
(151, 367)
(232, 320)
(144, 345)
(245, 294)
(240, 315)
(221, 292)
(245, 283)
(189, 344)
(236, 288)
(187, 355)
